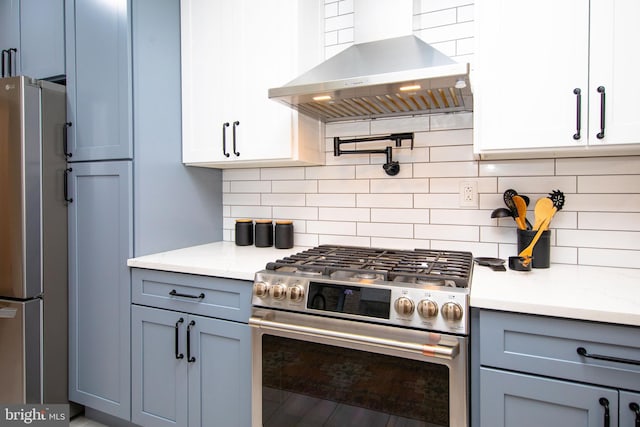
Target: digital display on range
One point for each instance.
(364, 301)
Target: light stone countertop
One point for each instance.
(600, 294)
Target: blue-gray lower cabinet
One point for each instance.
(190, 369)
(100, 242)
(519, 400)
(544, 371)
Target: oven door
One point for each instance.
(311, 370)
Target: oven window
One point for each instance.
(311, 384)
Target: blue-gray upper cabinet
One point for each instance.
(98, 46)
(100, 242)
(35, 29)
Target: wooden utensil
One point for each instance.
(542, 211)
(521, 209)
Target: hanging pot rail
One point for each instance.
(390, 167)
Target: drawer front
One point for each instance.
(549, 346)
(222, 298)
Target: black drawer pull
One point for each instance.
(607, 417)
(178, 354)
(190, 358)
(65, 184)
(175, 293)
(636, 409)
(235, 124)
(224, 139)
(583, 352)
(578, 92)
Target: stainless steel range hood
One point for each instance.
(393, 77)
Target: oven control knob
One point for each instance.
(295, 293)
(452, 311)
(404, 306)
(261, 289)
(278, 291)
(427, 308)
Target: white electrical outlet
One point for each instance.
(469, 194)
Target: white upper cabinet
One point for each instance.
(537, 76)
(232, 53)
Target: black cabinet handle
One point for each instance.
(607, 417)
(190, 358)
(5, 52)
(636, 409)
(236, 123)
(224, 139)
(66, 185)
(12, 51)
(178, 354)
(600, 135)
(65, 140)
(583, 352)
(175, 293)
(578, 94)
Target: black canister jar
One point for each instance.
(284, 234)
(244, 232)
(264, 233)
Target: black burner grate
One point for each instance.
(393, 265)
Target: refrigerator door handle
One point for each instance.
(8, 313)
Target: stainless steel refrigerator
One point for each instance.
(33, 243)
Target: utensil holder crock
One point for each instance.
(542, 249)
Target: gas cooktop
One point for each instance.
(418, 266)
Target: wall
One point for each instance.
(352, 201)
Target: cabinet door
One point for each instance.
(509, 399)
(529, 59)
(614, 33)
(99, 79)
(220, 374)
(158, 367)
(209, 41)
(42, 38)
(100, 242)
(629, 409)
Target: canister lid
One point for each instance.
(244, 220)
(284, 222)
(263, 221)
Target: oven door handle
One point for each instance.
(429, 350)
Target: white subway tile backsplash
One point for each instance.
(410, 216)
(332, 200)
(341, 228)
(283, 199)
(384, 200)
(445, 169)
(538, 184)
(374, 229)
(467, 233)
(452, 153)
(295, 186)
(340, 214)
(343, 186)
(624, 221)
(608, 257)
(598, 166)
(330, 172)
(599, 239)
(400, 185)
(249, 186)
(295, 212)
(609, 184)
(352, 201)
(282, 173)
(461, 216)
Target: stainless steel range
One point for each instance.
(357, 336)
